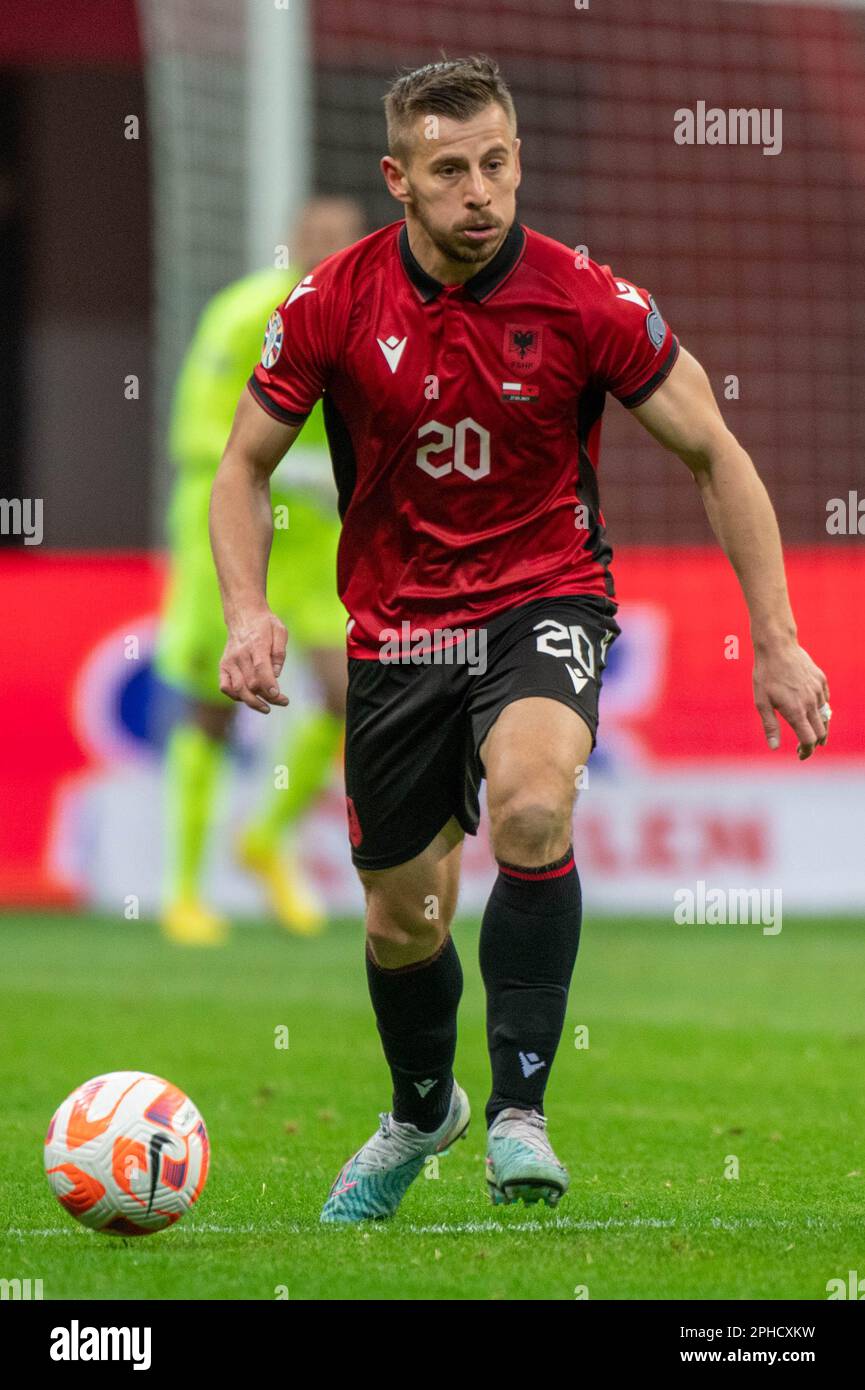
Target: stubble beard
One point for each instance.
(455, 249)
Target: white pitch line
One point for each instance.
(51, 1231)
(560, 1223)
(211, 1229)
(472, 1228)
(83, 1232)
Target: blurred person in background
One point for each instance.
(301, 589)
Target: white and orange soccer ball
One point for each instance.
(127, 1153)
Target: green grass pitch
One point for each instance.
(705, 1042)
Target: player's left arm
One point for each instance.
(683, 415)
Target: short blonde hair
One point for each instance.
(458, 88)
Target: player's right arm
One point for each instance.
(285, 385)
(241, 533)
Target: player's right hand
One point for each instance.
(252, 661)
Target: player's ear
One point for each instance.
(518, 174)
(394, 177)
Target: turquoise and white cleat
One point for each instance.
(373, 1183)
(521, 1164)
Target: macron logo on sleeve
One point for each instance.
(655, 325)
(303, 288)
(626, 291)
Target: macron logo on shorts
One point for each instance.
(579, 681)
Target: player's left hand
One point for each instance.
(787, 680)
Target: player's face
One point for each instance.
(461, 184)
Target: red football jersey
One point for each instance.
(463, 421)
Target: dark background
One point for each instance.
(758, 262)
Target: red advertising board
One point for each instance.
(76, 640)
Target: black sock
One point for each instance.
(416, 1012)
(529, 938)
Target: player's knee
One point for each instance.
(402, 924)
(397, 939)
(527, 827)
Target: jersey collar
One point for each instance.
(479, 286)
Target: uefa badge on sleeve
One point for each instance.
(655, 326)
(272, 345)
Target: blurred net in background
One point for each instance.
(228, 95)
(757, 260)
(196, 82)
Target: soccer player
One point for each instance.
(301, 589)
(464, 360)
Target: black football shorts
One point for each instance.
(413, 731)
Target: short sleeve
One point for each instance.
(631, 349)
(295, 365)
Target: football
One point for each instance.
(127, 1153)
